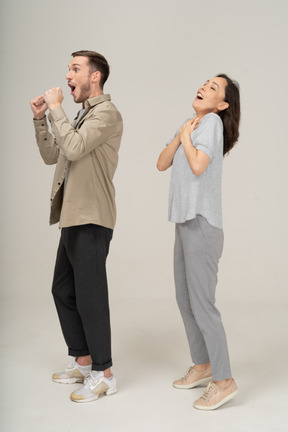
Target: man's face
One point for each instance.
(79, 79)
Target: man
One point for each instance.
(83, 201)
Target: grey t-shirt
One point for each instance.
(189, 194)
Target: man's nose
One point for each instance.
(68, 75)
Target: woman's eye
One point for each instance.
(213, 88)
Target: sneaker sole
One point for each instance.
(207, 408)
(109, 392)
(68, 380)
(195, 384)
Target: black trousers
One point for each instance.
(80, 292)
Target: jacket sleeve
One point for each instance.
(46, 142)
(77, 143)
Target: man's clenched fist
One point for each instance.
(39, 107)
(53, 97)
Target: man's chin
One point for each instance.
(75, 99)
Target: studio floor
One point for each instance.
(149, 352)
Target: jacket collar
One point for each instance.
(96, 100)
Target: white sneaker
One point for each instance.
(73, 373)
(94, 385)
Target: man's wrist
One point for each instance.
(54, 106)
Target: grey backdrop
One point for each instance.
(160, 53)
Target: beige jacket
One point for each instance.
(89, 153)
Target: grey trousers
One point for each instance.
(198, 248)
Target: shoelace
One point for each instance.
(90, 380)
(188, 373)
(71, 365)
(210, 391)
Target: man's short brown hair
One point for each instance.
(97, 62)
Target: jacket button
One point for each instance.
(45, 139)
(59, 183)
(42, 124)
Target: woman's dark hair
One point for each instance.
(97, 62)
(230, 116)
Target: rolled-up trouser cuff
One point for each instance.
(102, 367)
(79, 353)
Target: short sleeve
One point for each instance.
(208, 137)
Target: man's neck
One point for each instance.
(92, 95)
(95, 93)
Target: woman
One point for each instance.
(196, 153)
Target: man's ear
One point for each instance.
(96, 76)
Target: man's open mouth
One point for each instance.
(72, 87)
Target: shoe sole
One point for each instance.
(109, 392)
(68, 380)
(213, 407)
(195, 384)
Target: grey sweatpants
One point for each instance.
(198, 247)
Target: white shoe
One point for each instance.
(73, 373)
(94, 385)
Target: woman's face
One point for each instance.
(210, 97)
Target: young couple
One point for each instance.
(83, 202)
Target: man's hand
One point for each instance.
(53, 98)
(39, 107)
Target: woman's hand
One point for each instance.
(189, 127)
(183, 136)
(197, 159)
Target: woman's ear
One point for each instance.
(222, 106)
